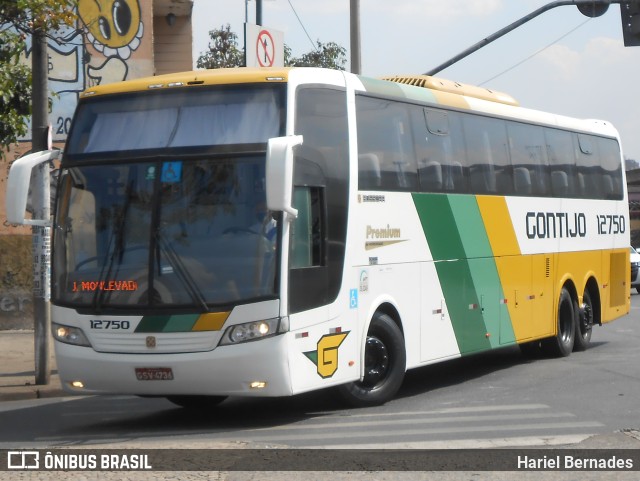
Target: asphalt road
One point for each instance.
(499, 399)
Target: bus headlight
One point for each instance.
(250, 331)
(69, 335)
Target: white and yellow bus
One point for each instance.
(268, 232)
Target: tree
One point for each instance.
(15, 90)
(19, 19)
(223, 50)
(328, 55)
(27, 15)
(631, 164)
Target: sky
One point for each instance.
(560, 62)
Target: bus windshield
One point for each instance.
(179, 223)
(182, 233)
(182, 118)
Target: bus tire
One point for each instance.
(196, 402)
(562, 343)
(585, 323)
(384, 365)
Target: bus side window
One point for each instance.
(440, 158)
(562, 162)
(432, 152)
(589, 175)
(386, 157)
(528, 151)
(489, 166)
(369, 167)
(321, 181)
(612, 168)
(306, 230)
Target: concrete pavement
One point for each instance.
(17, 368)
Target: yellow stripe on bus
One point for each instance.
(498, 225)
(212, 321)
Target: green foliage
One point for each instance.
(27, 15)
(18, 19)
(223, 50)
(15, 89)
(328, 55)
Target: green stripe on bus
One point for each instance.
(484, 272)
(443, 236)
(470, 225)
(167, 323)
(181, 323)
(467, 270)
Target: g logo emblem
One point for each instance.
(326, 357)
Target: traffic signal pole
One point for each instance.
(589, 8)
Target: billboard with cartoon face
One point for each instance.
(107, 44)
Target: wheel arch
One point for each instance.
(383, 306)
(568, 283)
(594, 291)
(391, 311)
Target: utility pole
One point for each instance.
(258, 12)
(41, 206)
(355, 36)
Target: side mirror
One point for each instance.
(18, 187)
(279, 173)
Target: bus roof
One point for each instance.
(444, 85)
(433, 90)
(196, 77)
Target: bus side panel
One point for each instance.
(467, 271)
(618, 299)
(437, 337)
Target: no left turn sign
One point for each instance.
(265, 49)
(264, 46)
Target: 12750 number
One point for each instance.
(611, 224)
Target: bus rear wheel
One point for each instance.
(384, 365)
(584, 324)
(562, 343)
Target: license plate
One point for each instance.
(154, 373)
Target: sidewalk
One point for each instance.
(17, 368)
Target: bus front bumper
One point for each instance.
(257, 368)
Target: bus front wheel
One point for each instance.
(384, 365)
(562, 343)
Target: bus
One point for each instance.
(269, 232)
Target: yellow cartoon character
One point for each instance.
(114, 26)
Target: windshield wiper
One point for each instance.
(116, 238)
(178, 266)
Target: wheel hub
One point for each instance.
(376, 362)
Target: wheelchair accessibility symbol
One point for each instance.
(353, 299)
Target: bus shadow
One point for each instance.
(457, 371)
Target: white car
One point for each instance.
(635, 269)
